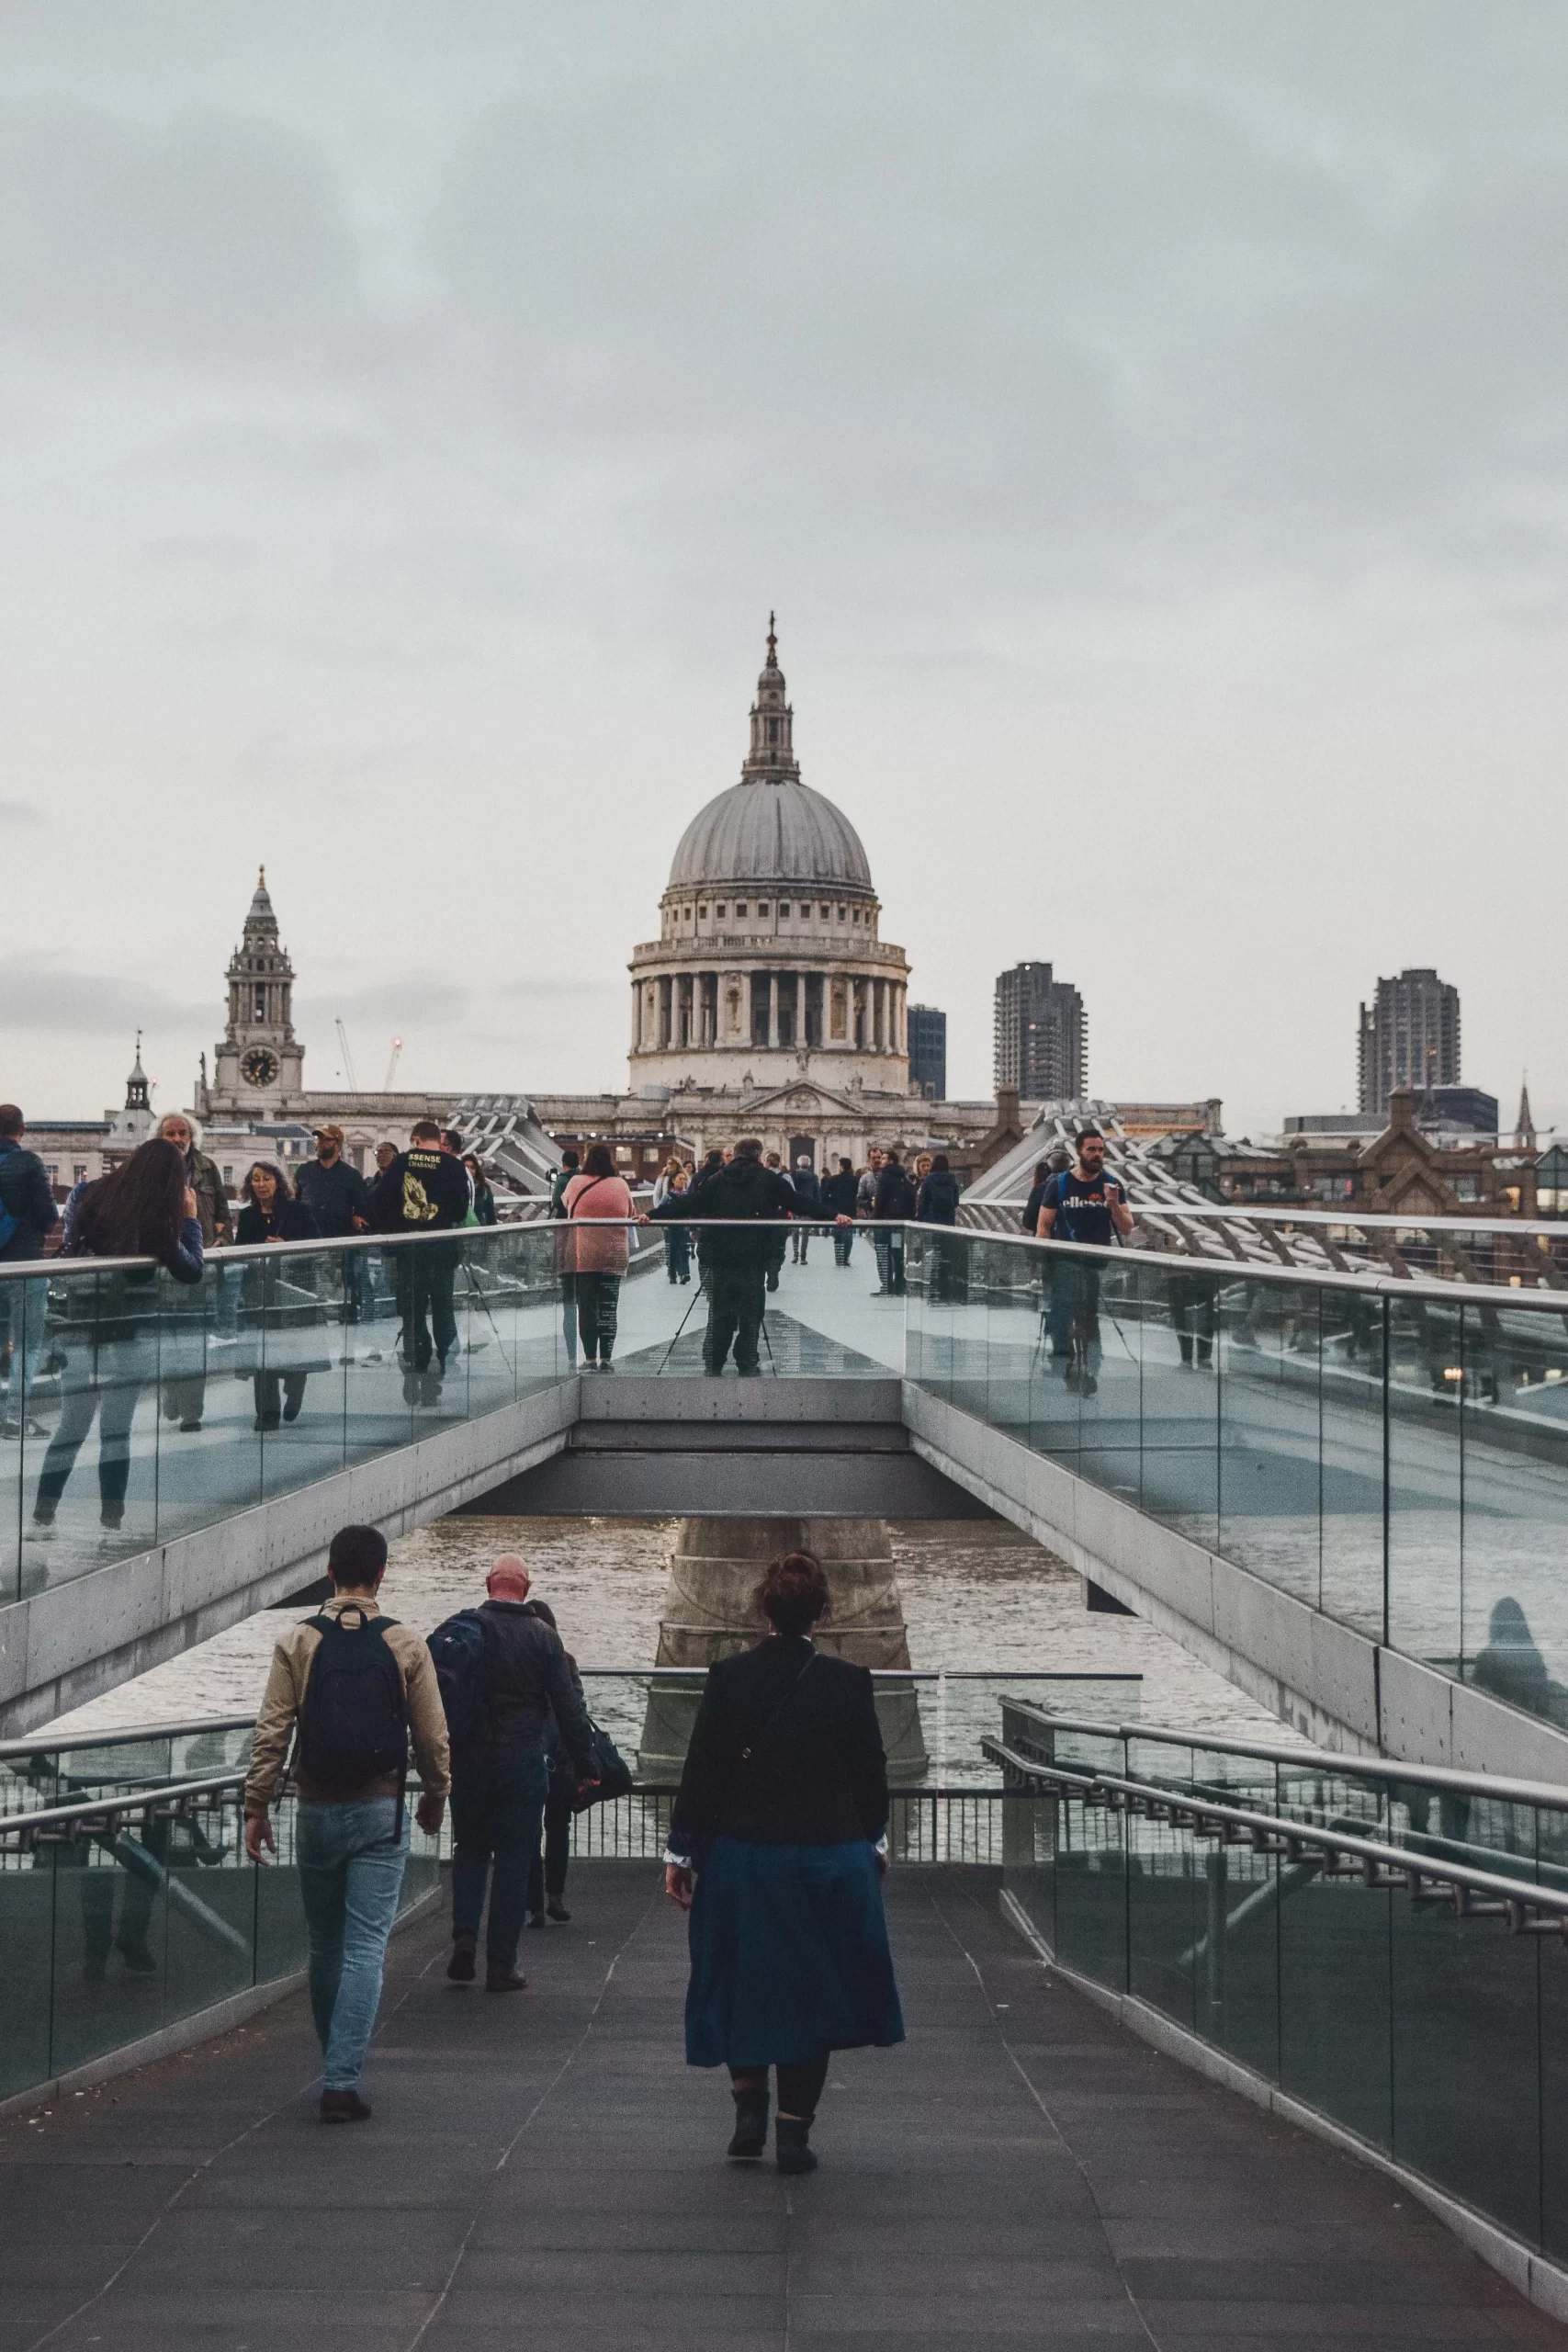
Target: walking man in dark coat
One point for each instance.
(745, 1193)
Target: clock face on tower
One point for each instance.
(259, 1067)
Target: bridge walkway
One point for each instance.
(547, 2170)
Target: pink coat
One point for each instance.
(597, 1249)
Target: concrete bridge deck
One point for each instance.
(547, 2170)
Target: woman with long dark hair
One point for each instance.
(142, 1209)
(777, 1848)
(277, 1303)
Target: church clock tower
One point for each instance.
(259, 1058)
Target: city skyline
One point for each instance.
(1160, 501)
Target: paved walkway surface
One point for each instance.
(544, 2169)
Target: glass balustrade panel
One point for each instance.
(1178, 1314)
(1513, 1617)
(1270, 1412)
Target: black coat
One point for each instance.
(838, 1192)
(937, 1201)
(292, 1221)
(26, 1195)
(526, 1682)
(335, 1196)
(744, 1191)
(895, 1194)
(816, 1774)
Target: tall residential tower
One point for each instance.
(1041, 1036)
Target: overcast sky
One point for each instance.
(1148, 422)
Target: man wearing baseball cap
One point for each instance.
(335, 1194)
(339, 1199)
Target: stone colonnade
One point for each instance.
(782, 1005)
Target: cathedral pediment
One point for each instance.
(808, 1099)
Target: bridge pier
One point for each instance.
(715, 1571)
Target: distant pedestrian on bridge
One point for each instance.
(184, 1390)
(144, 1208)
(1082, 1204)
(424, 1190)
(839, 1203)
(27, 1214)
(777, 1846)
(357, 1686)
(570, 1162)
(741, 1193)
(809, 1184)
(280, 1314)
(599, 1253)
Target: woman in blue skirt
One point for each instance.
(777, 1849)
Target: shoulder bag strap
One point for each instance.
(747, 1753)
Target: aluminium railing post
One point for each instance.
(1214, 1950)
(1387, 1460)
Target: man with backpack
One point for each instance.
(1082, 1203)
(503, 1673)
(356, 1687)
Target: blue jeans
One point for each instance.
(351, 1873)
(496, 1809)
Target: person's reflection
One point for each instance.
(128, 1874)
(1511, 1667)
(105, 1878)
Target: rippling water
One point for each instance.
(977, 1595)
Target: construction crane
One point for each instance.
(393, 1065)
(347, 1059)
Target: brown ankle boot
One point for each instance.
(504, 1980)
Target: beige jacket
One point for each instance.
(286, 1692)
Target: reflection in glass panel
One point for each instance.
(1270, 1416)
(1513, 1634)
(1178, 1322)
(1351, 1343)
(1427, 1376)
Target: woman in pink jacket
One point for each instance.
(597, 1253)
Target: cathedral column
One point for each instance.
(666, 1010)
(636, 1016)
(772, 1009)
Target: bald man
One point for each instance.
(499, 1783)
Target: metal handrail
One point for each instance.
(1442, 1777)
(1222, 1272)
(1276, 1834)
(105, 1814)
(68, 1743)
(1344, 1219)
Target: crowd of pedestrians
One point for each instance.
(273, 1318)
(777, 1843)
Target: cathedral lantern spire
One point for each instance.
(771, 755)
(135, 1095)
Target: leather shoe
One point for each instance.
(461, 1967)
(504, 1979)
(343, 2106)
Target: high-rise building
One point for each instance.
(1041, 1035)
(928, 1051)
(1408, 1035)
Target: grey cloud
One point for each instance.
(19, 813)
(416, 1000)
(212, 240)
(37, 992)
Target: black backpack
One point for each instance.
(353, 1719)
